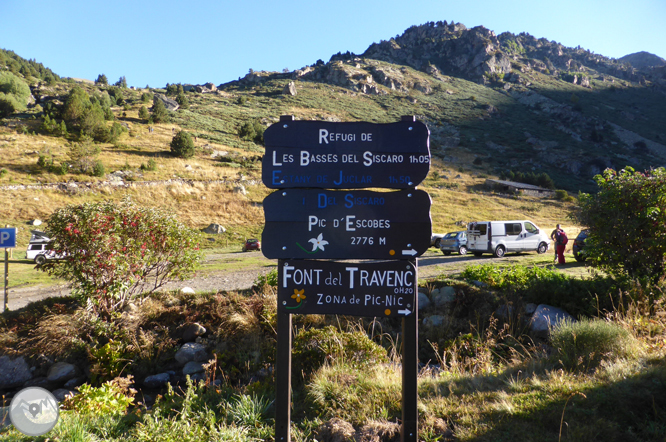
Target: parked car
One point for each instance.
(501, 237)
(436, 239)
(454, 242)
(251, 244)
(39, 248)
(579, 244)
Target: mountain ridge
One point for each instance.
(505, 102)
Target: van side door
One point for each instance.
(530, 236)
(513, 237)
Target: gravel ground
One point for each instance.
(243, 279)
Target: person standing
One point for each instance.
(553, 237)
(561, 241)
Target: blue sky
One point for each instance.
(154, 43)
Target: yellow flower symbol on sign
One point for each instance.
(298, 295)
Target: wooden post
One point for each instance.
(283, 378)
(410, 353)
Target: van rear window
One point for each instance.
(480, 229)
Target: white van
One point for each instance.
(501, 237)
(38, 248)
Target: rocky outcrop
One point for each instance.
(290, 89)
(451, 49)
(170, 104)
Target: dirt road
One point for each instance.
(431, 264)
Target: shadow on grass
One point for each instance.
(632, 409)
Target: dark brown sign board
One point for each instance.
(353, 155)
(353, 224)
(370, 289)
(303, 222)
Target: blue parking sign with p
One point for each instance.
(8, 238)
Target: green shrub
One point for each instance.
(182, 145)
(3, 172)
(14, 94)
(252, 131)
(151, 166)
(160, 113)
(583, 345)
(45, 160)
(143, 113)
(113, 397)
(182, 101)
(270, 279)
(313, 347)
(114, 132)
(98, 169)
(63, 169)
(83, 156)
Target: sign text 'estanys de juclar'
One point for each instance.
(353, 224)
(382, 289)
(352, 155)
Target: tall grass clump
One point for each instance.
(313, 347)
(585, 344)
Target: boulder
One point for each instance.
(191, 331)
(193, 367)
(219, 153)
(61, 372)
(443, 296)
(290, 89)
(170, 104)
(505, 311)
(240, 189)
(13, 372)
(545, 317)
(191, 352)
(424, 301)
(36, 222)
(214, 229)
(74, 383)
(530, 308)
(156, 380)
(187, 291)
(434, 321)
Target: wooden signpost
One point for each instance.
(307, 226)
